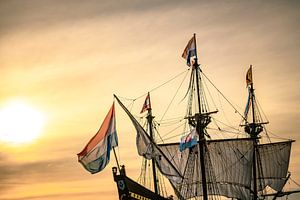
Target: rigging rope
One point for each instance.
(210, 95)
(205, 105)
(224, 97)
(174, 97)
(155, 88)
(180, 125)
(175, 136)
(161, 139)
(295, 182)
(226, 131)
(229, 126)
(259, 107)
(277, 136)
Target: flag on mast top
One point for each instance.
(147, 104)
(190, 52)
(249, 79)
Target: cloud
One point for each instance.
(55, 179)
(19, 15)
(62, 195)
(13, 174)
(16, 15)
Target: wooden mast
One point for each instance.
(254, 136)
(253, 129)
(200, 128)
(150, 120)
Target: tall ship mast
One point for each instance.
(197, 166)
(270, 160)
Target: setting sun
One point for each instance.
(20, 122)
(62, 62)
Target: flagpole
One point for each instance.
(117, 161)
(116, 158)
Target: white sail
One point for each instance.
(148, 149)
(228, 168)
(272, 164)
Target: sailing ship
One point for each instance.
(197, 166)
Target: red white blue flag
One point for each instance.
(96, 154)
(189, 140)
(147, 104)
(189, 52)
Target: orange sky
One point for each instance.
(67, 58)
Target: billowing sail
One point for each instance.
(272, 164)
(228, 163)
(228, 168)
(148, 149)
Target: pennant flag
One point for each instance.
(147, 104)
(249, 76)
(248, 105)
(189, 140)
(189, 52)
(96, 154)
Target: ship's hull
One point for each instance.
(131, 190)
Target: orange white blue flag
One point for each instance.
(190, 52)
(147, 104)
(96, 154)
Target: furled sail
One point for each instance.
(148, 149)
(228, 168)
(273, 162)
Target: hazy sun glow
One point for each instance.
(20, 122)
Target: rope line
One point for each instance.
(155, 88)
(224, 97)
(173, 97)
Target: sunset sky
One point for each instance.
(66, 59)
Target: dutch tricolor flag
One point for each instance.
(96, 154)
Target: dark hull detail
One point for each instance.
(131, 190)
